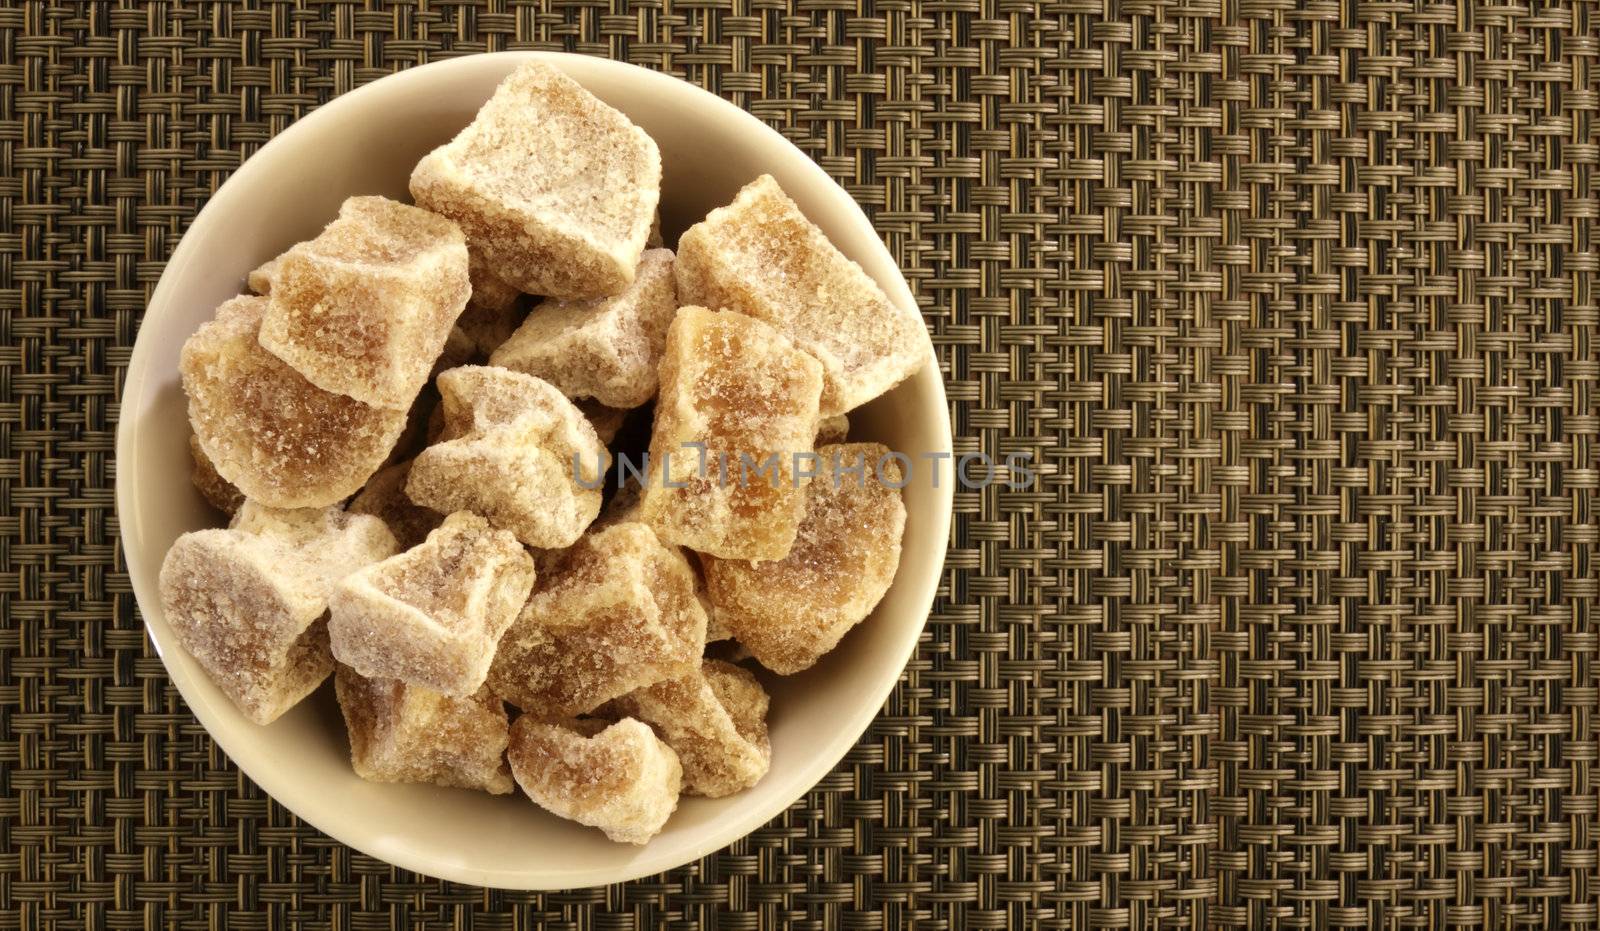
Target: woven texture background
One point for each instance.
(1295, 303)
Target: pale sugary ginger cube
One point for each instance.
(260, 278)
(614, 613)
(740, 390)
(790, 611)
(603, 348)
(515, 450)
(622, 780)
(385, 497)
(408, 733)
(364, 309)
(217, 491)
(278, 438)
(556, 188)
(760, 256)
(248, 603)
(431, 616)
(715, 719)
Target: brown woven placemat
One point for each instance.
(1295, 303)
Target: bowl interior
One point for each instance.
(366, 143)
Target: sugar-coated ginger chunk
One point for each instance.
(614, 613)
(248, 602)
(605, 420)
(748, 397)
(554, 187)
(385, 497)
(622, 780)
(431, 616)
(789, 612)
(408, 733)
(493, 311)
(515, 450)
(833, 430)
(605, 348)
(365, 308)
(715, 718)
(260, 278)
(278, 438)
(217, 491)
(760, 256)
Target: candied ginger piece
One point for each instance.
(716, 720)
(385, 497)
(217, 491)
(554, 187)
(604, 348)
(364, 309)
(742, 390)
(605, 420)
(833, 430)
(260, 278)
(615, 612)
(791, 611)
(408, 733)
(760, 256)
(431, 615)
(515, 450)
(492, 312)
(622, 780)
(248, 602)
(278, 438)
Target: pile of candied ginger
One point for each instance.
(421, 471)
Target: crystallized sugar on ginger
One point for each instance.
(385, 497)
(715, 719)
(605, 420)
(556, 188)
(612, 614)
(278, 438)
(760, 256)
(365, 308)
(431, 616)
(604, 348)
(791, 611)
(408, 733)
(248, 602)
(742, 389)
(214, 488)
(507, 451)
(622, 780)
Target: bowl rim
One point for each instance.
(275, 780)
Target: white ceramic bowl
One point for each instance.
(366, 143)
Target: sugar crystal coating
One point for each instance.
(715, 718)
(605, 420)
(248, 602)
(833, 430)
(604, 348)
(761, 256)
(217, 491)
(791, 611)
(431, 615)
(556, 188)
(515, 450)
(365, 308)
(742, 389)
(384, 497)
(622, 780)
(614, 613)
(408, 733)
(278, 438)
